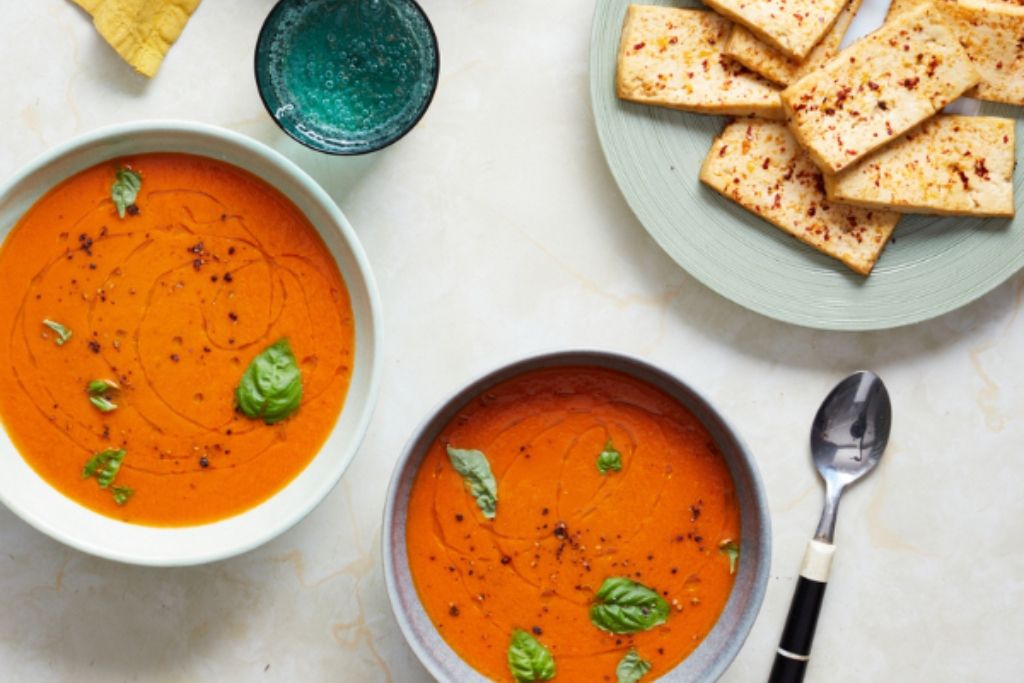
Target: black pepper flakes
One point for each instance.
(175, 357)
(94, 346)
(204, 462)
(453, 610)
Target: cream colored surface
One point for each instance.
(759, 165)
(793, 27)
(878, 88)
(955, 165)
(672, 57)
(141, 31)
(744, 47)
(817, 562)
(496, 230)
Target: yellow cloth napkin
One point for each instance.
(142, 31)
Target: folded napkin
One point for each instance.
(142, 31)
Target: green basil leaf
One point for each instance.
(528, 659)
(631, 668)
(99, 387)
(63, 333)
(729, 548)
(624, 606)
(125, 189)
(476, 474)
(122, 494)
(609, 459)
(103, 404)
(104, 466)
(271, 387)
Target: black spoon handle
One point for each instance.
(795, 646)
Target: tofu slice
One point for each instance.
(992, 33)
(673, 57)
(952, 165)
(758, 56)
(759, 165)
(793, 27)
(878, 88)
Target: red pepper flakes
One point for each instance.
(980, 169)
(963, 178)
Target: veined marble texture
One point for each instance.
(496, 230)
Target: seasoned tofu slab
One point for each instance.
(759, 165)
(878, 88)
(992, 34)
(958, 165)
(793, 27)
(673, 57)
(758, 56)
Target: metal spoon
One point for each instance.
(848, 437)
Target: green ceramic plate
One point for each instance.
(933, 265)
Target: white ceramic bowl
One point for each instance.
(42, 506)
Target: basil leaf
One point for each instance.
(271, 387)
(528, 659)
(104, 466)
(125, 189)
(98, 387)
(476, 474)
(122, 494)
(103, 404)
(729, 548)
(609, 459)
(631, 668)
(63, 333)
(625, 606)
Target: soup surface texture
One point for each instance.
(166, 306)
(666, 520)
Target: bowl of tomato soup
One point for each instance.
(576, 516)
(189, 339)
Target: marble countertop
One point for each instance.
(495, 230)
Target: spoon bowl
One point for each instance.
(851, 428)
(848, 436)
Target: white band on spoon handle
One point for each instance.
(817, 561)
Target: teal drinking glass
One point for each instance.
(347, 76)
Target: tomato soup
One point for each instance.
(137, 295)
(608, 536)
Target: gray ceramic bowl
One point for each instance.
(714, 655)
